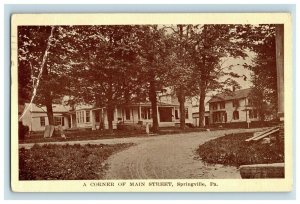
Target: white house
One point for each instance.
(133, 113)
(232, 107)
(36, 117)
(91, 117)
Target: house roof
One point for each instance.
(227, 96)
(57, 108)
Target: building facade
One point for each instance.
(91, 117)
(234, 107)
(36, 117)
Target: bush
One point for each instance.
(65, 162)
(130, 127)
(233, 150)
(23, 131)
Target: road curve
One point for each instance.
(168, 157)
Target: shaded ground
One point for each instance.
(65, 162)
(234, 150)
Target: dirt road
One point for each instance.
(168, 157)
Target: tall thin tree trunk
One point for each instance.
(50, 116)
(48, 99)
(181, 99)
(202, 106)
(153, 99)
(110, 108)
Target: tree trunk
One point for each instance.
(110, 113)
(48, 104)
(181, 99)
(48, 99)
(152, 96)
(202, 106)
(110, 108)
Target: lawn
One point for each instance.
(79, 135)
(65, 162)
(233, 150)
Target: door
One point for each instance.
(165, 114)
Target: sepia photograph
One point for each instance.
(165, 105)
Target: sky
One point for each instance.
(238, 69)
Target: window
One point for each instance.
(87, 116)
(58, 121)
(236, 115)
(236, 103)
(42, 121)
(220, 117)
(213, 106)
(222, 105)
(176, 114)
(186, 113)
(81, 116)
(127, 114)
(146, 113)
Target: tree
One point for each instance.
(106, 73)
(43, 52)
(264, 78)
(212, 43)
(180, 67)
(33, 48)
(152, 55)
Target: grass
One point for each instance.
(65, 162)
(233, 150)
(80, 135)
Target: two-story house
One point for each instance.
(232, 107)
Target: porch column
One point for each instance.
(71, 125)
(140, 113)
(93, 121)
(173, 114)
(116, 115)
(132, 114)
(104, 119)
(158, 116)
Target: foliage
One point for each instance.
(107, 65)
(233, 150)
(65, 162)
(23, 130)
(264, 95)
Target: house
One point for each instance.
(36, 117)
(232, 107)
(92, 117)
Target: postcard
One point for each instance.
(151, 102)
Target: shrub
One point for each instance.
(233, 150)
(65, 162)
(23, 131)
